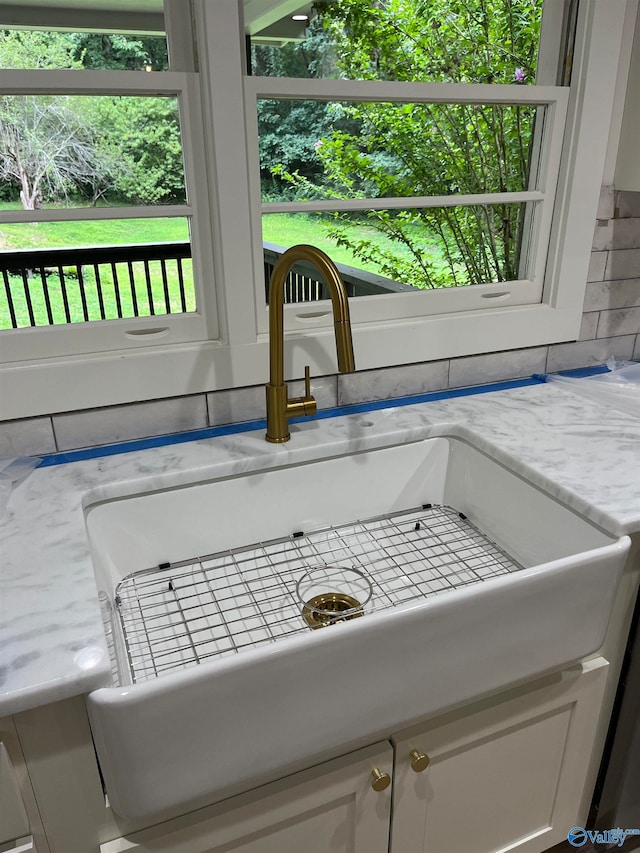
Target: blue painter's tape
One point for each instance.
(580, 372)
(146, 443)
(339, 411)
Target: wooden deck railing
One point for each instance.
(45, 287)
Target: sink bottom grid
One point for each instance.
(176, 615)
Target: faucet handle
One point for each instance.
(308, 402)
(307, 381)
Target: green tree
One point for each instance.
(143, 136)
(62, 147)
(33, 49)
(289, 130)
(119, 52)
(438, 149)
(47, 144)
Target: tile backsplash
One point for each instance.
(610, 328)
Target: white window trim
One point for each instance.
(240, 356)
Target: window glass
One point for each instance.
(100, 51)
(320, 152)
(412, 249)
(81, 151)
(313, 150)
(450, 41)
(71, 272)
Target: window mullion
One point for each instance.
(73, 214)
(180, 36)
(398, 92)
(402, 202)
(220, 53)
(64, 81)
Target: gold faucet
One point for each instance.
(279, 407)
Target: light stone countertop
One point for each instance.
(52, 644)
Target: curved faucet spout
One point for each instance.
(279, 408)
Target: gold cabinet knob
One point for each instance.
(380, 780)
(419, 761)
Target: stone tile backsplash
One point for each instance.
(589, 353)
(496, 366)
(126, 423)
(247, 404)
(606, 295)
(610, 328)
(28, 437)
(367, 385)
(621, 264)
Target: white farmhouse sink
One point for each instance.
(269, 694)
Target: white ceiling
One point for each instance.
(138, 14)
(102, 5)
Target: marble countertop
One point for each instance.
(52, 644)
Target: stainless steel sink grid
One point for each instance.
(176, 615)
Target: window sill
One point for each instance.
(64, 384)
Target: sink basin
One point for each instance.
(468, 579)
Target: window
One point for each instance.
(497, 227)
(98, 217)
(530, 295)
(417, 185)
(471, 231)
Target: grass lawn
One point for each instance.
(105, 232)
(93, 233)
(288, 229)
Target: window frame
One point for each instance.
(406, 305)
(239, 355)
(382, 341)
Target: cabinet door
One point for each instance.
(506, 775)
(331, 808)
(20, 825)
(13, 817)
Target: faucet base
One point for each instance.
(280, 409)
(277, 419)
(277, 439)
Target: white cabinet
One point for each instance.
(507, 776)
(331, 808)
(13, 816)
(20, 826)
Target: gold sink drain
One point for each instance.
(329, 608)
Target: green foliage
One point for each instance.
(142, 136)
(453, 41)
(33, 49)
(289, 130)
(120, 53)
(404, 150)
